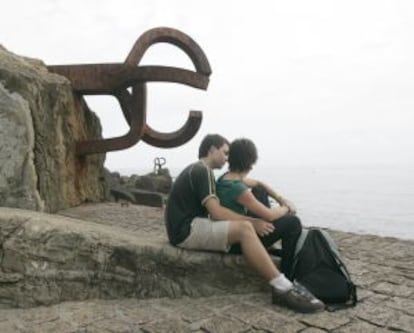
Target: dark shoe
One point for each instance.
(298, 299)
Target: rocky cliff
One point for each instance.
(40, 121)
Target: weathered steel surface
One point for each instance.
(115, 79)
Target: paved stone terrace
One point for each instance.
(383, 269)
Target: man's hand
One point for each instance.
(263, 228)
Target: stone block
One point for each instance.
(147, 198)
(51, 259)
(41, 119)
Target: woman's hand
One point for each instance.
(290, 206)
(263, 228)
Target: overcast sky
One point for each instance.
(311, 82)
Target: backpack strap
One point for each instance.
(298, 247)
(300, 241)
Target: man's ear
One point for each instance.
(212, 149)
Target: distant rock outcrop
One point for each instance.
(158, 182)
(149, 190)
(40, 121)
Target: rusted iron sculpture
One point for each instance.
(115, 79)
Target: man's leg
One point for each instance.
(243, 233)
(217, 236)
(287, 229)
(284, 292)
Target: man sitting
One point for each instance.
(195, 220)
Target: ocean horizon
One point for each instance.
(376, 199)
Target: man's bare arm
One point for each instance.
(218, 212)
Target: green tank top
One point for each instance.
(228, 191)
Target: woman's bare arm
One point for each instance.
(272, 193)
(248, 200)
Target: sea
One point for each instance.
(374, 199)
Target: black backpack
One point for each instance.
(318, 266)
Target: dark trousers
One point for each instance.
(287, 229)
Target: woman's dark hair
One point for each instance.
(210, 140)
(242, 155)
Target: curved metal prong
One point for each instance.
(171, 36)
(104, 79)
(169, 74)
(177, 138)
(163, 74)
(134, 109)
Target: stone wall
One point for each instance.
(40, 121)
(47, 259)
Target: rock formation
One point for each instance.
(40, 121)
(149, 190)
(158, 182)
(46, 259)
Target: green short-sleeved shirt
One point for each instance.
(190, 191)
(228, 191)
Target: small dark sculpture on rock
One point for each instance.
(150, 189)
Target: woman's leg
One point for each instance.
(287, 228)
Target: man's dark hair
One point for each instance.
(242, 155)
(210, 140)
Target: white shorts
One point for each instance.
(207, 235)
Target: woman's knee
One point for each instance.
(260, 194)
(295, 224)
(288, 223)
(259, 190)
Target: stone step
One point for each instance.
(47, 259)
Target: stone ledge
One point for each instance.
(47, 259)
(382, 267)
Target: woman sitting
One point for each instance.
(251, 197)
